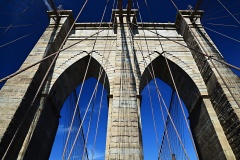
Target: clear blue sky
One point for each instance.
(28, 20)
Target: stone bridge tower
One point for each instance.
(128, 54)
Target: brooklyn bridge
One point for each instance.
(127, 86)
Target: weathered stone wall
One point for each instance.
(222, 84)
(124, 138)
(16, 96)
(204, 122)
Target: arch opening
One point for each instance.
(158, 131)
(187, 88)
(69, 80)
(66, 82)
(94, 148)
(183, 80)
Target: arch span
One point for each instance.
(69, 80)
(185, 82)
(47, 124)
(192, 90)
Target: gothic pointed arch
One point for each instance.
(62, 84)
(73, 75)
(192, 91)
(186, 82)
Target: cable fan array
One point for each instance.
(79, 150)
(169, 148)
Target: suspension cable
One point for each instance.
(80, 127)
(174, 5)
(236, 40)
(98, 119)
(224, 25)
(95, 90)
(211, 60)
(180, 102)
(23, 7)
(20, 25)
(153, 118)
(158, 90)
(45, 58)
(232, 6)
(26, 35)
(220, 17)
(46, 74)
(170, 117)
(165, 125)
(99, 113)
(164, 56)
(229, 12)
(192, 49)
(155, 129)
(79, 96)
(73, 100)
(175, 84)
(89, 123)
(17, 15)
(84, 80)
(145, 64)
(159, 95)
(100, 73)
(79, 116)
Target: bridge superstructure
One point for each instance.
(124, 55)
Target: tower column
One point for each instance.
(17, 103)
(124, 128)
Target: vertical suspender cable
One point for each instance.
(89, 124)
(85, 75)
(99, 111)
(176, 87)
(47, 73)
(159, 94)
(153, 118)
(101, 70)
(165, 125)
(158, 89)
(145, 64)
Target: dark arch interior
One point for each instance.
(187, 89)
(73, 76)
(95, 147)
(154, 118)
(48, 122)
